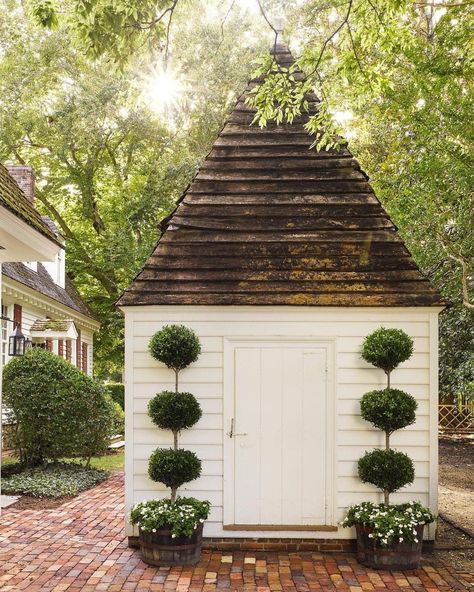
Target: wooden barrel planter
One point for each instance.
(160, 548)
(398, 556)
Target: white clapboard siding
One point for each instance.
(355, 391)
(376, 438)
(204, 451)
(348, 484)
(189, 375)
(346, 328)
(206, 360)
(199, 389)
(187, 437)
(403, 496)
(373, 376)
(265, 328)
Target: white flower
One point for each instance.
(371, 536)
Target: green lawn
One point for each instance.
(8, 462)
(107, 462)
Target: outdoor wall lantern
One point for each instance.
(16, 342)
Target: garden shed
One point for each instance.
(282, 260)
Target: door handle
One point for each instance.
(231, 434)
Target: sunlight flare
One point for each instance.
(162, 90)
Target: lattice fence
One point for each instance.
(456, 419)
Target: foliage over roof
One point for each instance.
(267, 220)
(13, 198)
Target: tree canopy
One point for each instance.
(395, 78)
(109, 164)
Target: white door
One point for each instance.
(278, 435)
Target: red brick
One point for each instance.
(81, 546)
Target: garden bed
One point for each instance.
(48, 487)
(53, 480)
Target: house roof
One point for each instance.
(54, 329)
(42, 282)
(41, 325)
(267, 220)
(13, 198)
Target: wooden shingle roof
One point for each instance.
(41, 281)
(269, 221)
(13, 198)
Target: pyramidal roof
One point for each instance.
(269, 221)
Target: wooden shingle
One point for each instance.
(269, 221)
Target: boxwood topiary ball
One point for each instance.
(387, 348)
(176, 346)
(173, 467)
(387, 469)
(174, 411)
(388, 410)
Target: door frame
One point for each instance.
(230, 344)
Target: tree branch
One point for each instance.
(463, 263)
(264, 14)
(466, 300)
(328, 40)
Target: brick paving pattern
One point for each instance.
(81, 546)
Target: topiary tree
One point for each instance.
(177, 347)
(59, 410)
(387, 349)
(388, 410)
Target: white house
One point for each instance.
(24, 236)
(282, 259)
(38, 295)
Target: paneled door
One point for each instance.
(277, 435)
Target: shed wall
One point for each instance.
(353, 377)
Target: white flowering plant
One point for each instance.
(389, 523)
(183, 515)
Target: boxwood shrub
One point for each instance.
(174, 411)
(176, 346)
(173, 467)
(60, 412)
(389, 409)
(387, 469)
(387, 348)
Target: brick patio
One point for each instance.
(81, 546)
